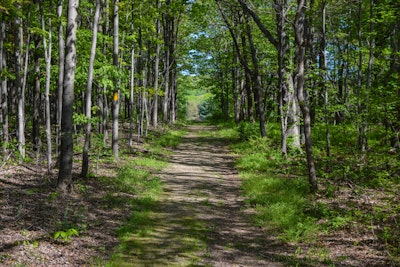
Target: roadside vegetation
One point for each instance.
(94, 224)
(357, 202)
(139, 178)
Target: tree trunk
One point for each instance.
(37, 143)
(324, 66)
(287, 104)
(116, 101)
(362, 127)
(173, 93)
(167, 58)
(299, 26)
(3, 92)
(257, 82)
(156, 69)
(65, 172)
(236, 88)
(47, 53)
(247, 84)
(88, 111)
(18, 42)
(132, 83)
(131, 96)
(61, 56)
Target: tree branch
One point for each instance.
(260, 25)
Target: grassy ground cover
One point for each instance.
(138, 178)
(357, 193)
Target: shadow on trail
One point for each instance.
(203, 220)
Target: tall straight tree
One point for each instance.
(85, 154)
(287, 104)
(362, 127)
(167, 59)
(156, 67)
(115, 107)
(47, 53)
(3, 91)
(65, 172)
(18, 42)
(299, 25)
(60, 81)
(37, 143)
(258, 95)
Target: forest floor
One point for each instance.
(200, 219)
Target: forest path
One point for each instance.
(201, 218)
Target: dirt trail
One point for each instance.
(201, 219)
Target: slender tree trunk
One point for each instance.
(156, 68)
(167, 58)
(131, 96)
(3, 92)
(61, 56)
(282, 84)
(370, 65)
(116, 100)
(132, 83)
(65, 172)
(299, 26)
(18, 42)
(174, 77)
(362, 127)
(287, 102)
(236, 88)
(257, 82)
(37, 143)
(324, 66)
(27, 51)
(88, 111)
(105, 114)
(103, 99)
(47, 53)
(244, 62)
(172, 95)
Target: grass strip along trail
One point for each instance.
(199, 219)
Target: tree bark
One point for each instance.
(257, 82)
(47, 53)
(18, 42)
(324, 67)
(167, 58)
(88, 111)
(299, 26)
(65, 172)
(131, 95)
(362, 127)
(37, 143)
(116, 101)
(287, 104)
(3, 92)
(156, 69)
(61, 57)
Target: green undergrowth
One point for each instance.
(279, 197)
(167, 138)
(277, 186)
